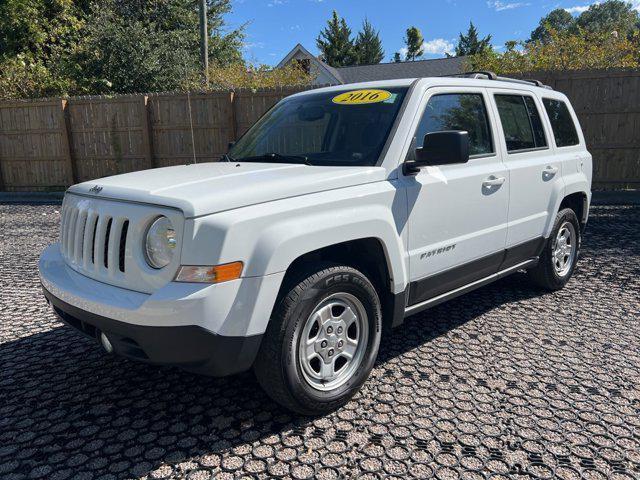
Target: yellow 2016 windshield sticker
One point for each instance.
(361, 97)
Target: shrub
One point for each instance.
(563, 51)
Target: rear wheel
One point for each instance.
(560, 254)
(322, 340)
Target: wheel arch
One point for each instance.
(368, 255)
(579, 203)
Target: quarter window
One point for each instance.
(564, 130)
(458, 111)
(521, 122)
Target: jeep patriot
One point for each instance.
(339, 213)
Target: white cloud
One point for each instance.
(499, 6)
(577, 9)
(635, 4)
(437, 46)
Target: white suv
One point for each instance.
(339, 213)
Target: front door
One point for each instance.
(457, 213)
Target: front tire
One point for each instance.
(560, 255)
(322, 340)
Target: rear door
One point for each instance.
(534, 171)
(457, 213)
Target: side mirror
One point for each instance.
(440, 148)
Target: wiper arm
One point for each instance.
(277, 157)
(227, 158)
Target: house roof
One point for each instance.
(389, 71)
(299, 48)
(383, 71)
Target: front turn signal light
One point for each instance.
(209, 274)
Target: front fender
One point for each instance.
(284, 242)
(268, 237)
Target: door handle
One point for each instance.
(549, 172)
(493, 181)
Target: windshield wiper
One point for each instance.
(275, 157)
(227, 158)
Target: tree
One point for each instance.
(335, 42)
(414, 42)
(563, 51)
(150, 45)
(69, 47)
(252, 77)
(368, 47)
(470, 44)
(38, 27)
(397, 58)
(609, 16)
(559, 20)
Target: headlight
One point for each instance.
(160, 243)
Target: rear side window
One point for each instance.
(458, 111)
(520, 122)
(564, 130)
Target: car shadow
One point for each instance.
(65, 406)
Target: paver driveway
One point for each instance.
(507, 381)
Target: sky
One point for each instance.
(273, 27)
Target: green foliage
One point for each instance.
(563, 51)
(397, 58)
(368, 47)
(66, 47)
(23, 77)
(236, 75)
(559, 20)
(609, 16)
(38, 27)
(36, 37)
(470, 44)
(414, 41)
(335, 43)
(605, 17)
(132, 55)
(151, 45)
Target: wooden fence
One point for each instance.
(50, 144)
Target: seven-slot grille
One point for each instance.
(103, 239)
(93, 241)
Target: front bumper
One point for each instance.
(217, 327)
(191, 347)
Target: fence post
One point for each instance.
(2, 185)
(147, 132)
(233, 120)
(67, 143)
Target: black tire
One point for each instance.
(277, 368)
(544, 274)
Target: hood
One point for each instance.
(206, 188)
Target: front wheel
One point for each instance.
(322, 340)
(560, 254)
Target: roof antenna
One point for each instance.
(193, 142)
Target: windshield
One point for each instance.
(337, 128)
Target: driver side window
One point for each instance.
(457, 111)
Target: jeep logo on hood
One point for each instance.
(95, 189)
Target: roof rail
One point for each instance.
(486, 75)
